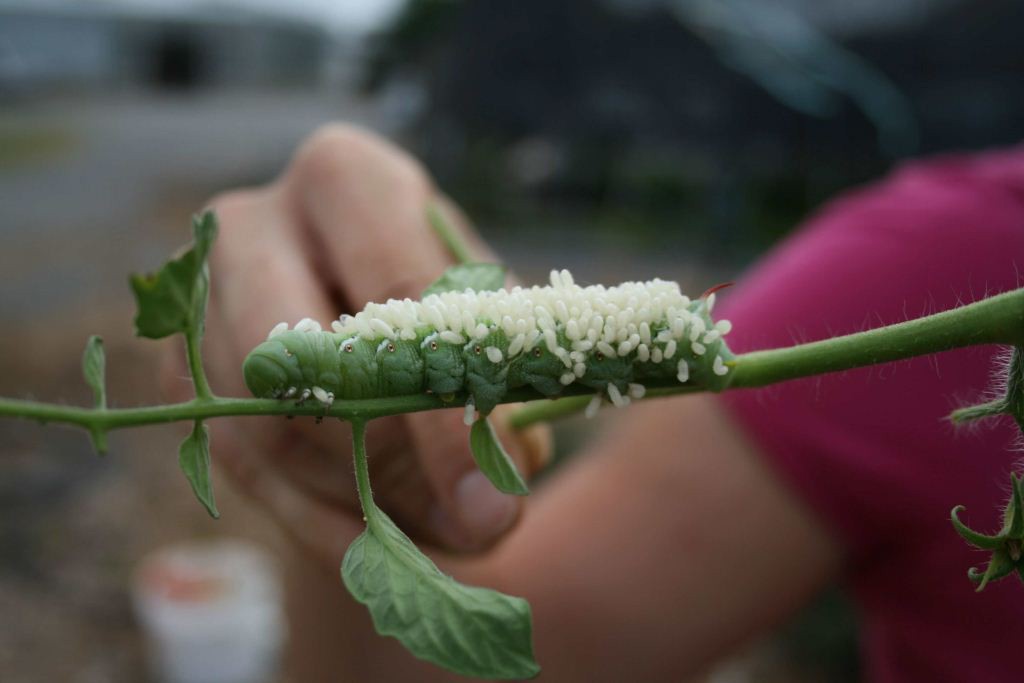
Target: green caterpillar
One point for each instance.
(481, 345)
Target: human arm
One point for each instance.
(349, 191)
(661, 547)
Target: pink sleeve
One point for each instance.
(869, 449)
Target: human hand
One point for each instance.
(345, 224)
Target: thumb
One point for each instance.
(469, 513)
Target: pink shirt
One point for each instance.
(870, 450)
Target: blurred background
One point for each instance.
(618, 138)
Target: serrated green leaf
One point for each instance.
(469, 630)
(194, 460)
(480, 277)
(978, 540)
(94, 368)
(204, 232)
(174, 298)
(999, 566)
(493, 460)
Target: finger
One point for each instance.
(259, 247)
(260, 275)
(470, 513)
(365, 205)
(259, 259)
(260, 270)
(323, 525)
(531, 447)
(323, 529)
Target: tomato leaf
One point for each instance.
(173, 299)
(94, 368)
(469, 630)
(194, 460)
(480, 277)
(493, 460)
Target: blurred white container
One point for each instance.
(211, 611)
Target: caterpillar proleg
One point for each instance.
(480, 345)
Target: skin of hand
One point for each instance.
(345, 224)
(664, 545)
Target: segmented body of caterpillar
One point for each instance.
(614, 340)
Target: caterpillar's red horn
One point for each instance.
(712, 290)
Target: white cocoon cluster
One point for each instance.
(613, 321)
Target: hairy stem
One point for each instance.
(362, 471)
(997, 320)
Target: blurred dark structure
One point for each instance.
(622, 108)
(89, 47)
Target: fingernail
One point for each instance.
(483, 511)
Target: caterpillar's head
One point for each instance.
(270, 369)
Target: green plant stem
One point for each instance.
(196, 409)
(996, 320)
(545, 410)
(980, 411)
(999, 319)
(201, 408)
(362, 471)
(449, 235)
(195, 364)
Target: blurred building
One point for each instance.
(94, 46)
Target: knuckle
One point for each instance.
(234, 208)
(340, 153)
